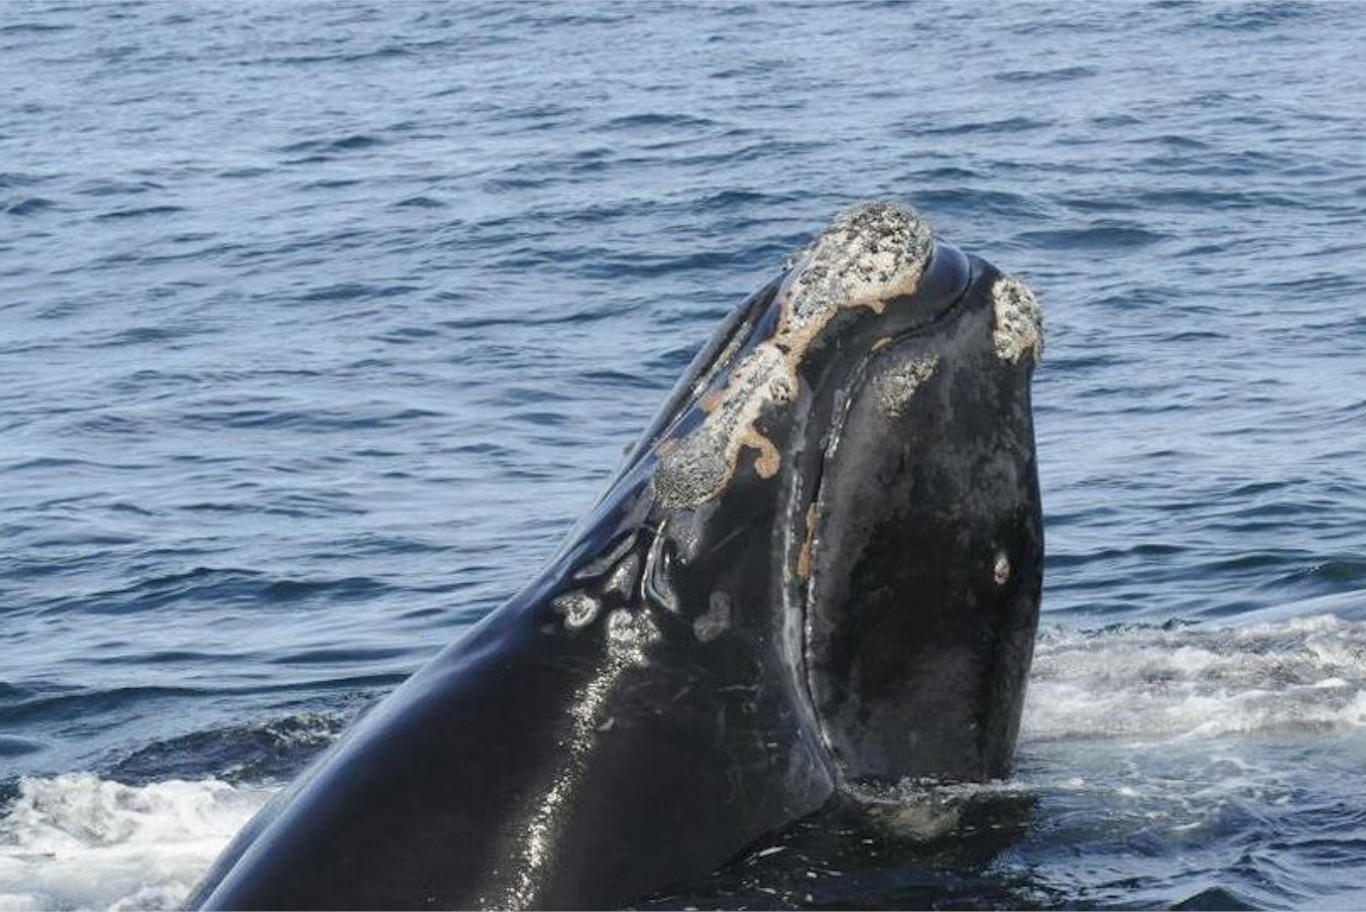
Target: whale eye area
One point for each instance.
(606, 581)
(579, 609)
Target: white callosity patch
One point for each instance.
(628, 635)
(869, 255)
(579, 609)
(1019, 321)
(894, 389)
(1000, 569)
(1161, 683)
(697, 467)
(79, 841)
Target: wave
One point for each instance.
(1186, 681)
(79, 841)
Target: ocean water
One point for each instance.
(321, 324)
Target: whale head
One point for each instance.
(819, 568)
(864, 423)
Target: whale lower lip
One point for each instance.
(925, 552)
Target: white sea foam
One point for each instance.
(80, 842)
(1160, 683)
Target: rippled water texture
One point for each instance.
(320, 325)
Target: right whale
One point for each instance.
(820, 567)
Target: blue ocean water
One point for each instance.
(321, 324)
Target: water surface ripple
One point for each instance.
(320, 324)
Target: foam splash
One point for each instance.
(1186, 682)
(79, 841)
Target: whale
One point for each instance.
(819, 568)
